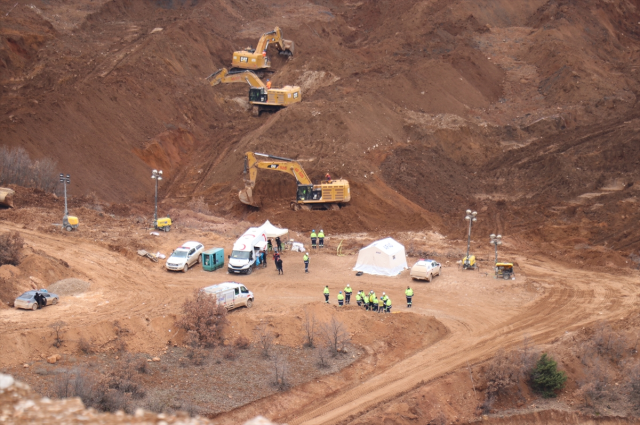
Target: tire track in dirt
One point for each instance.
(569, 304)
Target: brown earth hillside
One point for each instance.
(523, 110)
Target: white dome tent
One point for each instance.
(385, 257)
(272, 231)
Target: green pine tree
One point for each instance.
(546, 378)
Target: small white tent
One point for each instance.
(273, 231)
(385, 257)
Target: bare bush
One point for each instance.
(505, 372)
(230, 353)
(309, 328)
(63, 384)
(242, 343)
(280, 369)
(595, 385)
(58, 332)
(335, 335)
(198, 205)
(202, 315)
(632, 383)
(11, 244)
(322, 354)
(16, 167)
(197, 355)
(86, 346)
(265, 339)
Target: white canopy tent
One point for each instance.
(385, 257)
(273, 231)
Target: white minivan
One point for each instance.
(231, 294)
(425, 269)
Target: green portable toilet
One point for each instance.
(212, 259)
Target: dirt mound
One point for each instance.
(69, 286)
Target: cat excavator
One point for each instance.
(262, 98)
(257, 59)
(329, 194)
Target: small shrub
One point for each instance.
(16, 167)
(230, 353)
(85, 346)
(197, 355)
(265, 339)
(595, 385)
(280, 369)
(203, 315)
(335, 335)
(309, 328)
(546, 378)
(11, 244)
(242, 343)
(58, 332)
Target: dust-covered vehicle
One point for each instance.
(504, 270)
(185, 256)
(28, 301)
(231, 294)
(425, 270)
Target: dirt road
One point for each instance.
(568, 300)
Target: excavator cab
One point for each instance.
(258, 94)
(305, 192)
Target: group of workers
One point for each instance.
(317, 237)
(369, 301)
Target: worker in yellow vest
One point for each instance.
(340, 299)
(347, 293)
(375, 304)
(305, 258)
(409, 294)
(314, 238)
(387, 305)
(321, 239)
(359, 298)
(326, 294)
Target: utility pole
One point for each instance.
(65, 182)
(156, 175)
(495, 241)
(471, 217)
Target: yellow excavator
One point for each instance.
(257, 59)
(329, 194)
(262, 98)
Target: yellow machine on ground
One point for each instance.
(257, 59)
(163, 224)
(70, 222)
(262, 98)
(469, 262)
(329, 194)
(504, 270)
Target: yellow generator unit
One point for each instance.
(469, 262)
(70, 222)
(163, 224)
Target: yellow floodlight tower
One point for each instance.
(69, 222)
(469, 262)
(164, 223)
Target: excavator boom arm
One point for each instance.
(254, 161)
(223, 76)
(274, 37)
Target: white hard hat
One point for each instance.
(307, 253)
(348, 285)
(384, 293)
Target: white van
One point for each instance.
(245, 251)
(231, 294)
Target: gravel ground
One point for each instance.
(70, 286)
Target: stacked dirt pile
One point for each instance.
(20, 405)
(522, 110)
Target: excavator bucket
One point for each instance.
(6, 197)
(246, 196)
(289, 48)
